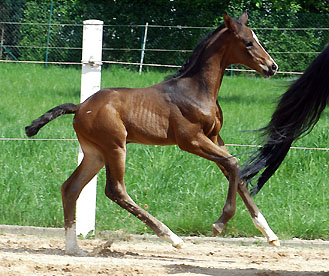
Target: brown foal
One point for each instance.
(182, 110)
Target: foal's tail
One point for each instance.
(50, 115)
(297, 112)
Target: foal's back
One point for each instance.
(142, 115)
(162, 114)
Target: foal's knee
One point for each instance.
(231, 165)
(234, 163)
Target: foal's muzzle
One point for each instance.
(270, 71)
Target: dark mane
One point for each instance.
(297, 112)
(191, 64)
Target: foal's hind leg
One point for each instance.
(88, 168)
(257, 217)
(116, 191)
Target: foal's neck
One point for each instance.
(214, 62)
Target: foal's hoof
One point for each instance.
(175, 241)
(274, 243)
(77, 252)
(217, 228)
(179, 245)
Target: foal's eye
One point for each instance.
(248, 44)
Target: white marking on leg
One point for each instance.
(261, 224)
(176, 241)
(71, 239)
(71, 244)
(171, 237)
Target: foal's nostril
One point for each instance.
(274, 67)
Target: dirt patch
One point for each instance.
(32, 255)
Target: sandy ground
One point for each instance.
(33, 255)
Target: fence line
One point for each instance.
(38, 139)
(76, 140)
(133, 63)
(123, 42)
(137, 49)
(162, 26)
(41, 62)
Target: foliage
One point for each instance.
(291, 48)
(119, 16)
(36, 35)
(294, 6)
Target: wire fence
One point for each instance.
(293, 40)
(76, 140)
(118, 49)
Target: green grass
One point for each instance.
(184, 191)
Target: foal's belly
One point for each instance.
(149, 133)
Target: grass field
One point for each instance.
(184, 191)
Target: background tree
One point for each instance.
(119, 16)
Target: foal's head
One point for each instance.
(246, 48)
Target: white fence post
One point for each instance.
(90, 83)
(143, 48)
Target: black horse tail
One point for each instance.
(50, 115)
(297, 112)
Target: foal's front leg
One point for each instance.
(201, 145)
(256, 216)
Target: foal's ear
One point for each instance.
(244, 17)
(230, 23)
